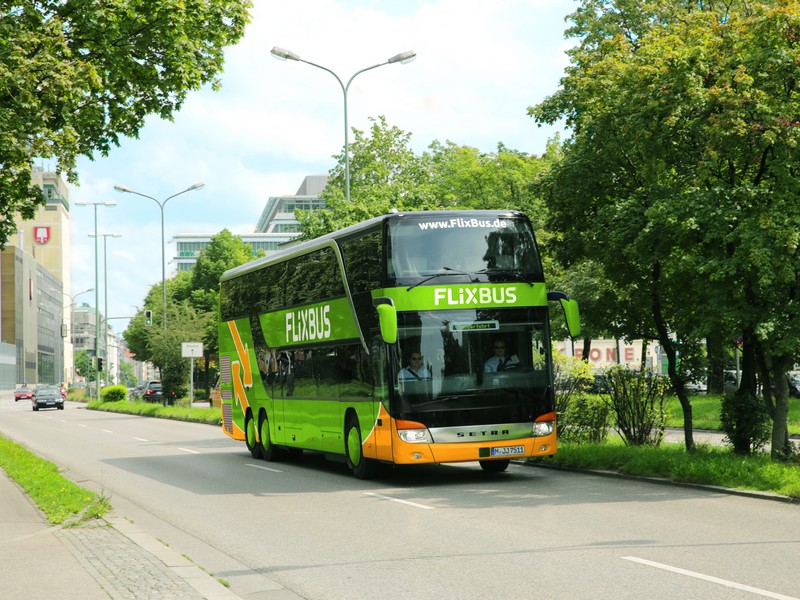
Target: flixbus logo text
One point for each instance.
(308, 324)
(461, 296)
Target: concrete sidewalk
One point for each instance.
(108, 558)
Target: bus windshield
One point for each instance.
(471, 249)
(480, 366)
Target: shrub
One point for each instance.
(637, 399)
(745, 421)
(585, 419)
(114, 393)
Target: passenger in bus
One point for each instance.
(415, 371)
(499, 361)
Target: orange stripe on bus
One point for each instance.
(244, 356)
(238, 389)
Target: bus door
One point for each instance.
(379, 443)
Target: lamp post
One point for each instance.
(402, 58)
(126, 190)
(72, 297)
(96, 290)
(105, 237)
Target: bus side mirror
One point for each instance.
(387, 317)
(571, 313)
(572, 316)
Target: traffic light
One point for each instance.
(99, 364)
(148, 317)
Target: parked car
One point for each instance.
(135, 392)
(151, 391)
(47, 396)
(23, 393)
(793, 379)
(697, 387)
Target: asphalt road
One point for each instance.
(308, 529)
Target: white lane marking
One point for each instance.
(725, 582)
(382, 497)
(138, 439)
(189, 451)
(263, 468)
(106, 431)
(82, 425)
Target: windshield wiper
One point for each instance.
(445, 271)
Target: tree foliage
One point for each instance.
(385, 173)
(680, 177)
(76, 75)
(192, 311)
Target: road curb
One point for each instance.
(662, 481)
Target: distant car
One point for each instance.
(152, 392)
(135, 392)
(793, 379)
(697, 387)
(47, 396)
(23, 393)
(600, 384)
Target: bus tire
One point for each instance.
(268, 450)
(362, 468)
(250, 437)
(494, 466)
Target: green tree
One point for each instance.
(192, 310)
(164, 346)
(385, 173)
(681, 171)
(77, 75)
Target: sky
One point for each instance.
(479, 66)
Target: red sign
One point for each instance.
(41, 234)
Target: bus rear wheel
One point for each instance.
(268, 450)
(494, 466)
(362, 468)
(250, 437)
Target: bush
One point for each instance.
(584, 420)
(637, 399)
(745, 421)
(114, 393)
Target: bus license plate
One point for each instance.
(508, 450)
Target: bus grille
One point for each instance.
(225, 369)
(227, 418)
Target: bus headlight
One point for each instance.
(415, 436)
(541, 428)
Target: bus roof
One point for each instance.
(355, 229)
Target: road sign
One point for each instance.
(192, 349)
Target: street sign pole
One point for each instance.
(191, 350)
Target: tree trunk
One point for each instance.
(781, 448)
(715, 348)
(587, 348)
(672, 363)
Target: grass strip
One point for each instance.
(708, 465)
(706, 411)
(61, 500)
(210, 416)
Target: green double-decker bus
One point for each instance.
(414, 337)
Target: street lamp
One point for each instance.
(71, 375)
(402, 58)
(96, 289)
(105, 237)
(197, 186)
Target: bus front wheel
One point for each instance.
(362, 468)
(494, 466)
(250, 437)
